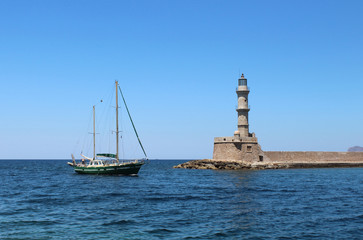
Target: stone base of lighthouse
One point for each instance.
(244, 149)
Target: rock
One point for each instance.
(238, 165)
(355, 149)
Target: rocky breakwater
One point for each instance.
(229, 165)
(317, 162)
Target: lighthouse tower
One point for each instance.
(243, 108)
(243, 146)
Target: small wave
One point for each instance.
(120, 222)
(45, 200)
(288, 190)
(161, 230)
(115, 194)
(34, 200)
(9, 213)
(220, 234)
(347, 219)
(31, 223)
(175, 198)
(8, 195)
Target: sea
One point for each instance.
(46, 199)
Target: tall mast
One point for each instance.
(94, 134)
(116, 83)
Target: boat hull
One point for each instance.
(124, 169)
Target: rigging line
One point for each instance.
(102, 119)
(133, 125)
(122, 137)
(85, 136)
(121, 132)
(109, 140)
(109, 120)
(107, 100)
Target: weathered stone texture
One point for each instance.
(247, 152)
(314, 157)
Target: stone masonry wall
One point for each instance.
(312, 157)
(237, 151)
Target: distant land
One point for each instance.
(355, 149)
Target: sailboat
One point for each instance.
(109, 163)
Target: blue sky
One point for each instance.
(178, 63)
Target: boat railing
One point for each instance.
(131, 160)
(114, 161)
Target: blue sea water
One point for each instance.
(41, 199)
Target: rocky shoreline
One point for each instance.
(237, 165)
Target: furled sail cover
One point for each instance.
(107, 155)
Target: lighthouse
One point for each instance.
(243, 146)
(243, 107)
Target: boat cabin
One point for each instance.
(96, 163)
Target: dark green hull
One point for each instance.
(124, 169)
